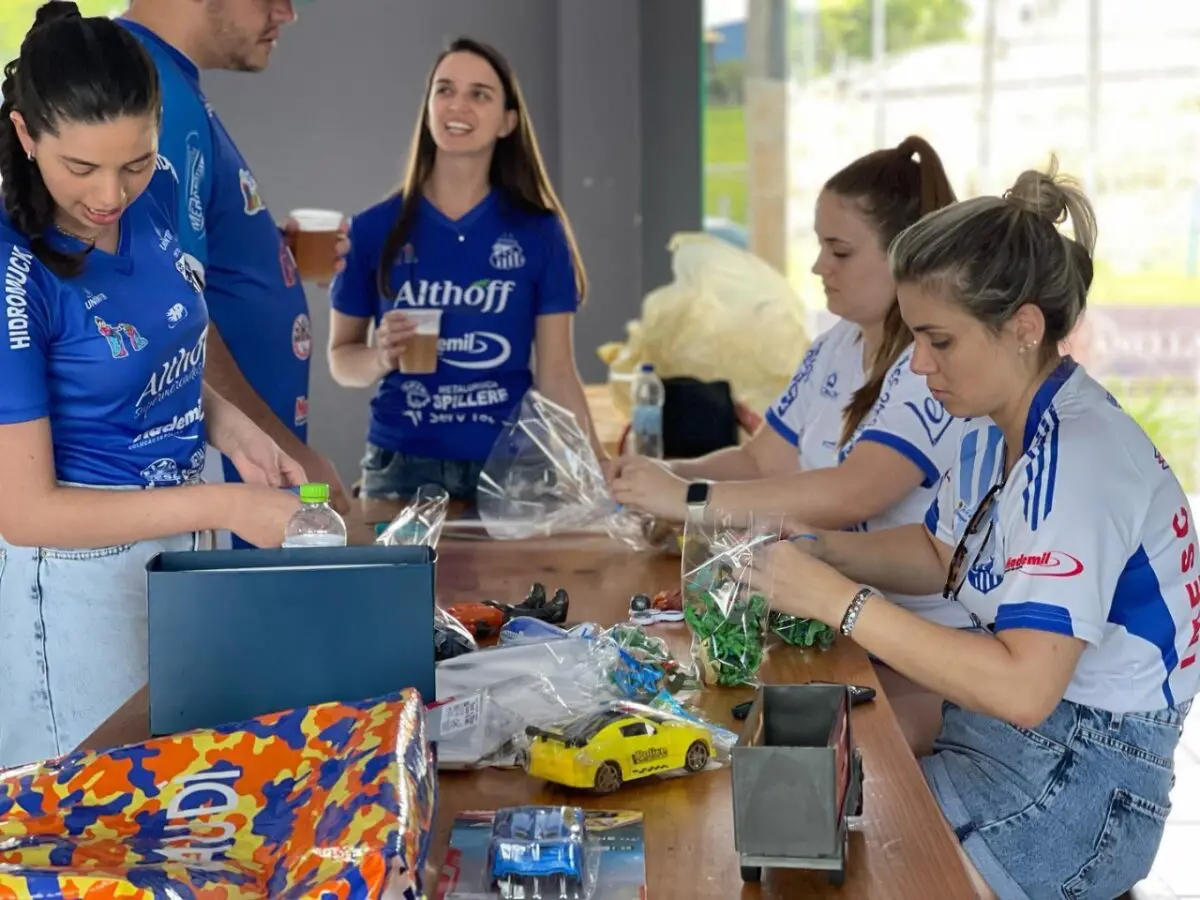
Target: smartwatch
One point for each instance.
(697, 496)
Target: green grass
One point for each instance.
(1152, 288)
(725, 150)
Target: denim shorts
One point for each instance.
(73, 643)
(1072, 809)
(390, 475)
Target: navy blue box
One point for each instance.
(235, 634)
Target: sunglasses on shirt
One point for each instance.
(964, 558)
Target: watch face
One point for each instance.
(697, 494)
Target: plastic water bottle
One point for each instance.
(648, 396)
(316, 523)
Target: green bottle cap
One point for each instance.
(314, 493)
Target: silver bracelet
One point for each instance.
(852, 611)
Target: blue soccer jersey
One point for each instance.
(491, 273)
(251, 285)
(114, 357)
(1090, 535)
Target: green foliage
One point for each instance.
(1166, 410)
(17, 15)
(846, 26)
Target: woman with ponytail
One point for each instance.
(102, 362)
(856, 441)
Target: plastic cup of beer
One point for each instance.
(420, 355)
(315, 242)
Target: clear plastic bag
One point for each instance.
(696, 325)
(420, 522)
(726, 617)
(543, 478)
(799, 632)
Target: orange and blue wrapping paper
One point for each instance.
(333, 802)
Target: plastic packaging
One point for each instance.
(726, 617)
(800, 632)
(542, 478)
(697, 325)
(420, 522)
(316, 523)
(646, 434)
(330, 800)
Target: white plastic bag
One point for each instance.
(726, 316)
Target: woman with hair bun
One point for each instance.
(1069, 538)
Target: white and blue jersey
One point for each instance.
(113, 357)
(492, 273)
(1090, 535)
(251, 284)
(906, 418)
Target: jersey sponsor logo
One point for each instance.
(802, 375)
(507, 254)
(301, 414)
(182, 368)
(176, 428)
(122, 338)
(193, 181)
(252, 203)
(483, 349)
(454, 404)
(1053, 563)
(91, 301)
(487, 295)
(302, 337)
(16, 299)
(167, 471)
(287, 265)
(165, 237)
(829, 388)
(176, 314)
(933, 418)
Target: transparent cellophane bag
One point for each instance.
(543, 478)
(726, 616)
(696, 325)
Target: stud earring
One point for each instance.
(29, 156)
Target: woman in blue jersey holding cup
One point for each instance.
(102, 361)
(465, 273)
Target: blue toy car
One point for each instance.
(538, 851)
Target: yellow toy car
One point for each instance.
(603, 750)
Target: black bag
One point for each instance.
(698, 417)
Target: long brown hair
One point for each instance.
(517, 168)
(893, 191)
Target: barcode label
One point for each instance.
(459, 715)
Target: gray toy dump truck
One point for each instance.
(796, 777)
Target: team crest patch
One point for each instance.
(251, 201)
(302, 337)
(119, 336)
(301, 410)
(507, 253)
(176, 314)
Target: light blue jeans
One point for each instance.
(73, 643)
(1071, 810)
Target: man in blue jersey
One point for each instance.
(261, 340)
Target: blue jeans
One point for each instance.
(1072, 809)
(72, 641)
(389, 475)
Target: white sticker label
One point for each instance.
(459, 715)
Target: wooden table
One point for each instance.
(900, 848)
